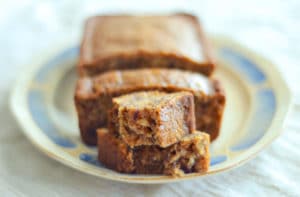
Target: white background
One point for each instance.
(27, 28)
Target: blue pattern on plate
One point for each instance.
(61, 58)
(217, 159)
(261, 120)
(39, 115)
(90, 158)
(244, 65)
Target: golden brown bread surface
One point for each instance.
(191, 154)
(93, 96)
(153, 117)
(129, 42)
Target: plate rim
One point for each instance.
(18, 100)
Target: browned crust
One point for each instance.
(144, 59)
(208, 51)
(209, 111)
(114, 153)
(173, 160)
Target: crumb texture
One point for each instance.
(189, 155)
(153, 118)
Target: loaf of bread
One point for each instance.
(130, 42)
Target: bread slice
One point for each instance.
(189, 155)
(93, 96)
(153, 118)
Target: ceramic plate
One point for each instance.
(257, 102)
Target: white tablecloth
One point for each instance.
(272, 28)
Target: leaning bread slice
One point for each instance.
(153, 117)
